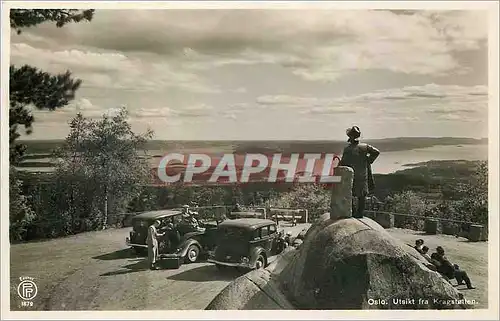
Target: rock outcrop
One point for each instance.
(343, 264)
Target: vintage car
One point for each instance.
(249, 243)
(190, 244)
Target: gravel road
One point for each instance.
(96, 271)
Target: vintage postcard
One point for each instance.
(258, 160)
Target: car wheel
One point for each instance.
(261, 262)
(192, 253)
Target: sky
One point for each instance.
(270, 74)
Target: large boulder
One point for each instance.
(344, 264)
(252, 291)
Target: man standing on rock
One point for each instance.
(359, 157)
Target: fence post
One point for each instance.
(476, 233)
(431, 226)
(261, 210)
(341, 201)
(386, 220)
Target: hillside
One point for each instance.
(430, 178)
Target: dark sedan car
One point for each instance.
(250, 243)
(190, 244)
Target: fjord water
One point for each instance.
(389, 162)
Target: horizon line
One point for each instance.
(278, 140)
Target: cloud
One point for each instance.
(188, 112)
(230, 115)
(429, 91)
(203, 112)
(405, 103)
(61, 115)
(454, 117)
(240, 90)
(239, 107)
(324, 46)
(112, 70)
(198, 110)
(152, 112)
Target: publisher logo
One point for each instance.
(27, 289)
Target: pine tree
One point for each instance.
(30, 86)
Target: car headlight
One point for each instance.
(244, 259)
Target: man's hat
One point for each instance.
(353, 132)
(185, 206)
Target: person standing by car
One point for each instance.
(359, 157)
(152, 241)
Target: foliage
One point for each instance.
(407, 202)
(316, 198)
(29, 86)
(207, 196)
(99, 170)
(466, 201)
(20, 213)
(313, 197)
(147, 200)
(473, 206)
(23, 18)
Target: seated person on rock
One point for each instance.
(446, 268)
(461, 277)
(419, 245)
(425, 253)
(431, 264)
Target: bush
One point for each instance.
(21, 214)
(473, 206)
(408, 202)
(313, 197)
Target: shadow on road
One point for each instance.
(117, 255)
(142, 265)
(207, 273)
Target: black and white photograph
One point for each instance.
(190, 156)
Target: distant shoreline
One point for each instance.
(436, 162)
(397, 153)
(297, 146)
